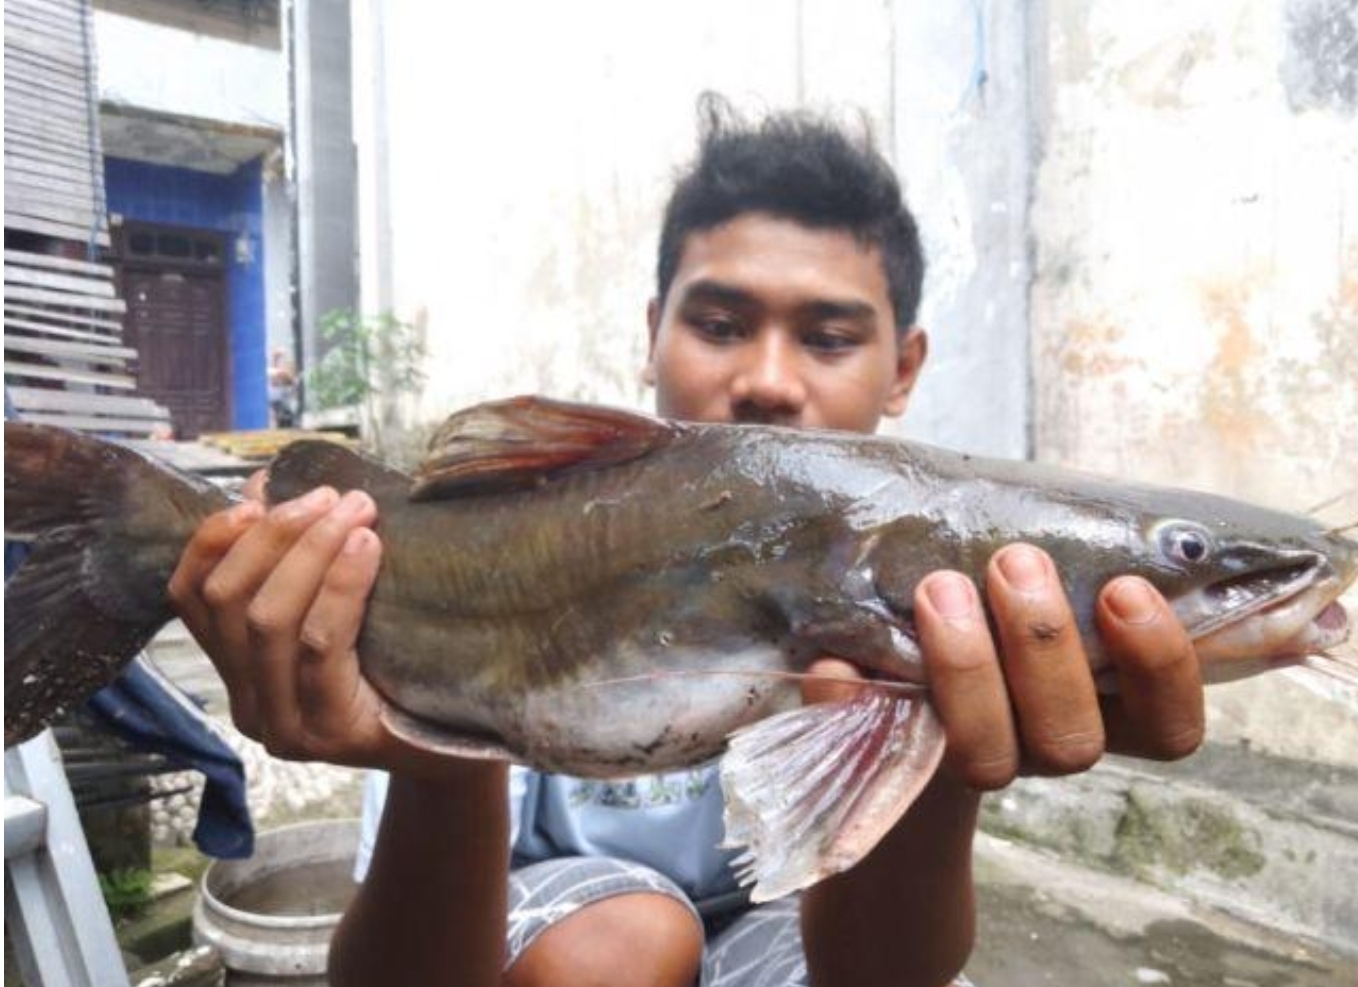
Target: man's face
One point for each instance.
(771, 321)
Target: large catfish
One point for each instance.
(601, 593)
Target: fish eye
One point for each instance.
(1185, 543)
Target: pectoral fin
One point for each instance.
(811, 791)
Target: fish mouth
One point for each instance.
(1281, 613)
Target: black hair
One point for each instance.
(799, 167)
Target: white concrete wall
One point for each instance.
(531, 144)
(173, 71)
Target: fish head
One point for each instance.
(1253, 587)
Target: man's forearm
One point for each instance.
(905, 916)
(432, 908)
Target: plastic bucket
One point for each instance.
(271, 916)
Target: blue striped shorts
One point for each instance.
(760, 947)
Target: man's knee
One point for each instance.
(638, 939)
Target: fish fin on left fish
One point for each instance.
(429, 737)
(521, 442)
(811, 791)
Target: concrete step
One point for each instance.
(1267, 839)
(1046, 921)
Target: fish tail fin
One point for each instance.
(100, 522)
(811, 791)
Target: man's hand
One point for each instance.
(1024, 701)
(276, 598)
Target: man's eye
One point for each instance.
(719, 328)
(829, 341)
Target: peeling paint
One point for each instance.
(1230, 399)
(1092, 348)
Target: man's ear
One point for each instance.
(911, 351)
(652, 328)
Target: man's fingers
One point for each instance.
(253, 488)
(331, 691)
(228, 590)
(210, 542)
(281, 604)
(1160, 713)
(835, 681)
(966, 680)
(1045, 665)
(239, 575)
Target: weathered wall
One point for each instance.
(522, 210)
(1195, 302)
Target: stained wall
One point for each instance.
(1194, 305)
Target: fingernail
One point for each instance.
(356, 541)
(1022, 567)
(1132, 600)
(951, 595)
(352, 504)
(245, 512)
(312, 502)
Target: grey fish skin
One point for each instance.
(627, 611)
(753, 549)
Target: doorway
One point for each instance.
(173, 280)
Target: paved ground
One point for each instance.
(1042, 921)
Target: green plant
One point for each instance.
(365, 356)
(126, 891)
(367, 362)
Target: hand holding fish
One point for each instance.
(1033, 707)
(275, 596)
(1025, 699)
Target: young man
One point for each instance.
(788, 282)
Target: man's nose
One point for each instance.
(769, 385)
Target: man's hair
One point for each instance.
(798, 167)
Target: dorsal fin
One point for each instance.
(522, 442)
(310, 463)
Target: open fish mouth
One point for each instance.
(1280, 613)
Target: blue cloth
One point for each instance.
(153, 714)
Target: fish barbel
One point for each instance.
(602, 593)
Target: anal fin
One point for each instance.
(810, 792)
(429, 737)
